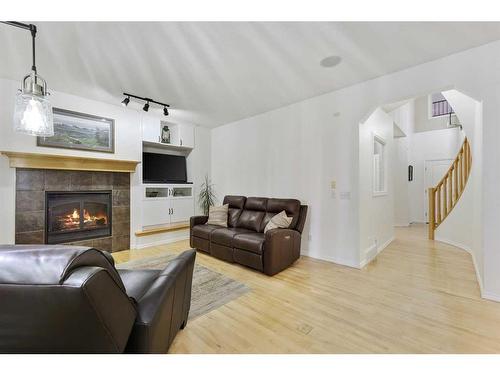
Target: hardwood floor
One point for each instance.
(418, 296)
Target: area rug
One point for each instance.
(210, 289)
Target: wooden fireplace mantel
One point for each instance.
(65, 162)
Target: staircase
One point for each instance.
(445, 195)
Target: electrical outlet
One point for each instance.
(333, 184)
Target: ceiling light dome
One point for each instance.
(330, 61)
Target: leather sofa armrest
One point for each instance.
(164, 308)
(109, 257)
(281, 249)
(197, 220)
(114, 312)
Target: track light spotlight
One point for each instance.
(126, 101)
(147, 100)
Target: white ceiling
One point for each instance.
(214, 73)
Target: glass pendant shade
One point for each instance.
(33, 111)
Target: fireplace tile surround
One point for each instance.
(32, 184)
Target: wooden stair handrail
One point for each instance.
(445, 195)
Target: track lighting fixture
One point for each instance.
(33, 111)
(147, 100)
(126, 101)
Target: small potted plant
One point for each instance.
(206, 197)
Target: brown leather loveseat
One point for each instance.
(244, 241)
(72, 299)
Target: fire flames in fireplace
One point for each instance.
(72, 216)
(71, 220)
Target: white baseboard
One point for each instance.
(491, 296)
(474, 262)
(366, 259)
(402, 225)
(336, 260)
(163, 241)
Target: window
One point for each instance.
(439, 106)
(379, 166)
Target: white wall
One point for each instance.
(414, 149)
(423, 122)
(400, 163)
(296, 150)
(198, 162)
(404, 118)
(376, 212)
(461, 226)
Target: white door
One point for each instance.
(434, 172)
(181, 209)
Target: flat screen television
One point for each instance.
(162, 168)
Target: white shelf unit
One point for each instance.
(165, 204)
(181, 135)
(166, 146)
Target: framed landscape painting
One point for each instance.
(80, 131)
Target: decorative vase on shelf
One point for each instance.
(165, 134)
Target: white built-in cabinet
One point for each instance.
(181, 135)
(165, 204)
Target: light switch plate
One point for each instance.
(333, 184)
(345, 195)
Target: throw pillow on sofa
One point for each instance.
(217, 215)
(278, 221)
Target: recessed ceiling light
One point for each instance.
(330, 61)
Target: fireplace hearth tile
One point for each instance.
(121, 243)
(102, 180)
(121, 180)
(80, 180)
(29, 179)
(121, 229)
(57, 180)
(30, 221)
(105, 244)
(30, 201)
(121, 214)
(31, 188)
(86, 243)
(30, 238)
(121, 198)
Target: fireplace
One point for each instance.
(75, 216)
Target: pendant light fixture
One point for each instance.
(33, 111)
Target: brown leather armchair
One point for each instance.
(69, 299)
(244, 241)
